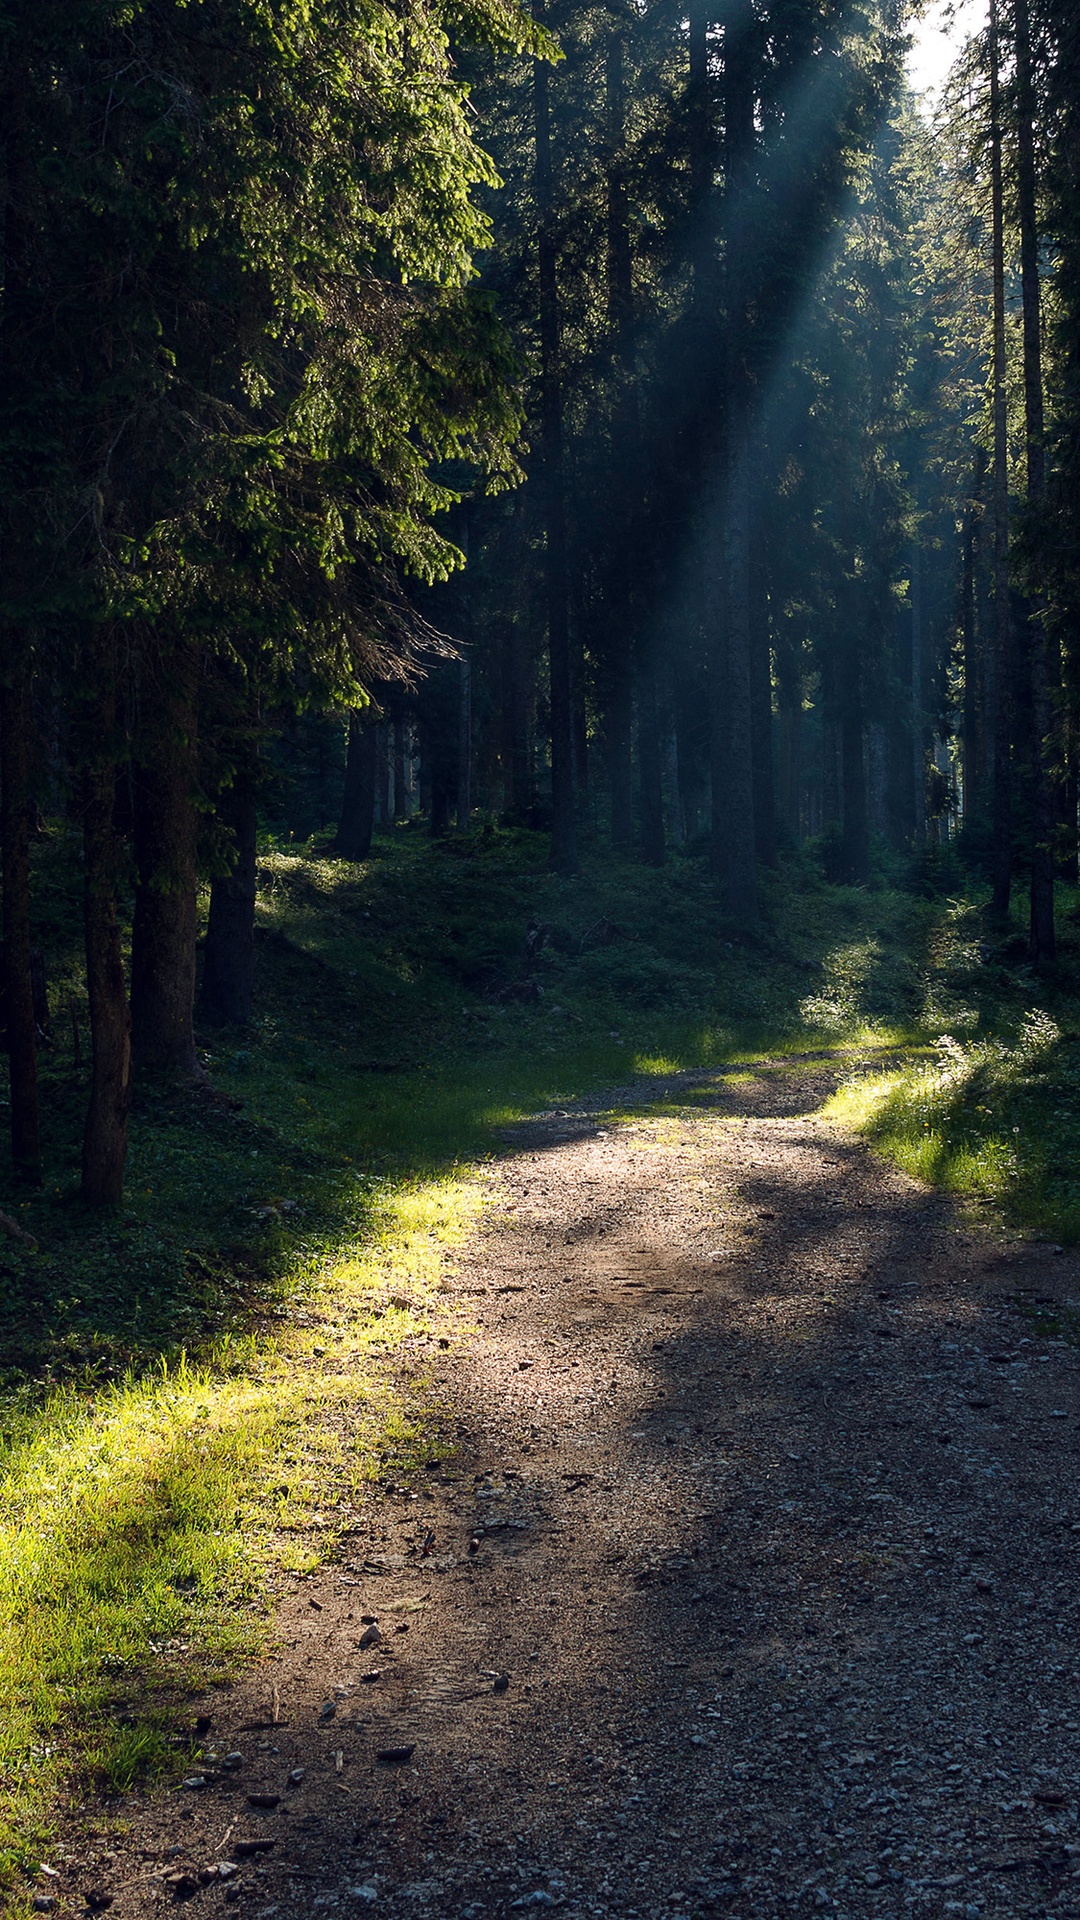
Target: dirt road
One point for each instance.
(753, 1584)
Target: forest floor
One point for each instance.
(746, 1587)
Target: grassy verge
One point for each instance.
(148, 1524)
(175, 1379)
(988, 1106)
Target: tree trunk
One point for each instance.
(620, 756)
(735, 858)
(382, 775)
(1002, 803)
(650, 766)
(465, 745)
(564, 857)
(228, 983)
(401, 797)
(357, 822)
(790, 770)
(733, 819)
(918, 703)
(522, 797)
(15, 660)
(762, 718)
(969, 627)
(853, 781)
(105, 1137)
(1042, 940)
(15, 735)
(164, 924)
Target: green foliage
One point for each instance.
(245, 422)
(995, 1120)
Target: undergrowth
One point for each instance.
(995, 1120)
(176, 1376)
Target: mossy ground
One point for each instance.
(174, 1376)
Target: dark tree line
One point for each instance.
(733, 504)
(240, 364)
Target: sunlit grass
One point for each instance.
(143, 1528)
(996, 1120)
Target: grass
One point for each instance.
(148, 1524)
(198, 1393)
(989, 1109)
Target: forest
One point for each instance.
(539, 559)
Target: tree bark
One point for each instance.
(164, 924)
(762, 715)
(401, 798)
(228, 982)
(357, 821)
(382, 775)
(522, 793)
(1041, 935)
(1002, 801)
(465, 745)
(633, 663)
(105, 1137)
(735, 857)
(564, 858)
(969, 629)
(620, 756)
(650, 765)
(856, 840)
(733, 822)
(16, 666)
(918, 703)
(15, 735)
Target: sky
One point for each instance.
(938, 38)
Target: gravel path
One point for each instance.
(752, 1588)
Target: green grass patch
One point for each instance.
(995, 1120)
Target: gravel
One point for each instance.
(772, 1606)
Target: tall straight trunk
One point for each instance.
(564, 857)
(1068, 837)
(1002, 803)
(1041, 935)
(650, 764)
(105, 1137)
(579, 724)
(673, 786)
(689, 778)
(856, 841)
(357, 821)
(164, 924)
(620, 720)
(401, 796)
(228, 982)
(382, 775)
(733, 752)
(15, 822)
(465, 744)
(634, 667)
(762, 715)
(16, 666)
(522, 778)
(830, 769)
(735, 857)
(918, 702)
(970, 637)
(790, 732)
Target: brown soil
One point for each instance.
(753, 1582)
